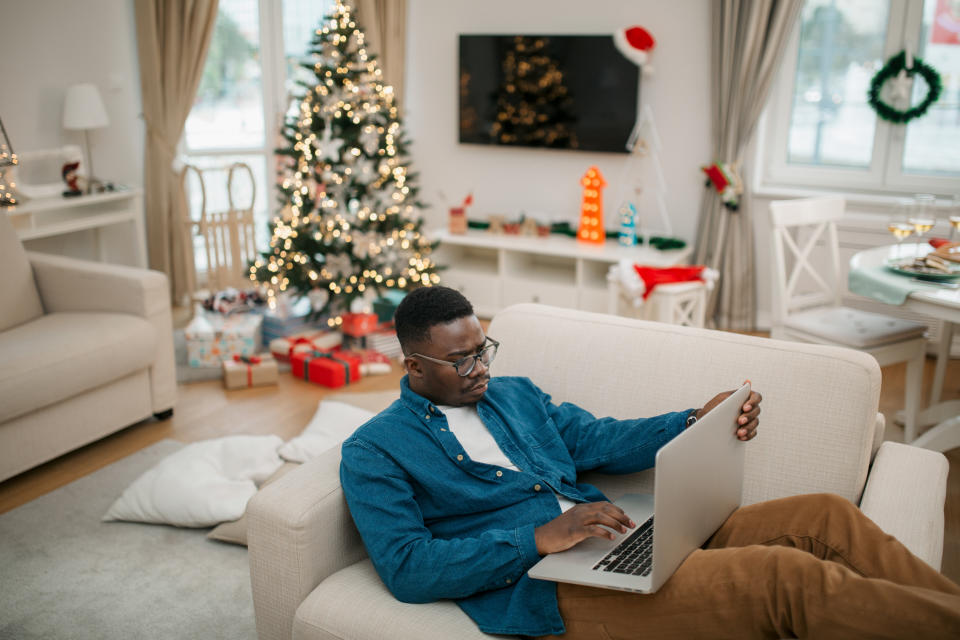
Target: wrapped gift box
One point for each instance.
(288, 318)
(243, 372)
(366, 356)
(332, 370)
(385, 341)
(213, 338)
(358, 325)
(304, 342)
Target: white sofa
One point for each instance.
(819, 432)
(86, 349)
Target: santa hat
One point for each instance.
(635, 43)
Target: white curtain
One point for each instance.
(172, 40)
(749, 38)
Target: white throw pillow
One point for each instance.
(202, 485)
(331, 424)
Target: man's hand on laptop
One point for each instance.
(582, 521)
(749, 413)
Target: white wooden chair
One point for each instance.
(227, 235)
(807, 293)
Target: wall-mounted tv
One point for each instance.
(552, 91)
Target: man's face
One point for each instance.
(440, 383)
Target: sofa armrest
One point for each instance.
(299, 531)
(68, 284)
(905, 494)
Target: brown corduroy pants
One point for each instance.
(810, 566)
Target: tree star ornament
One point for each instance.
(901, 73)
(328, 146)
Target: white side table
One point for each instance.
(105, 226)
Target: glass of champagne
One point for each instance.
(921, 217)
(899, 226)
(954, 215)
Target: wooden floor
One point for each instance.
(205, 410)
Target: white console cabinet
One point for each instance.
(494, 271)
(107, 227)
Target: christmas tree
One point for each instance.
(349, 226)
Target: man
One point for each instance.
(465, 482)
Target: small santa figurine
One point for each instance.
(71, 175)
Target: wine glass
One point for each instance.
(921, 216)
(898, 225)
(954, 215)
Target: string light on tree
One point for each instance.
(349, 225)
(7, 159)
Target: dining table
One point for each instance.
(883, 274)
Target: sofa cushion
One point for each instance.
(330, 612)
(19, 300)
(60, 355)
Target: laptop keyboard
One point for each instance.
(634, 554)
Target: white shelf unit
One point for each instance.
(105, 226)
(494, 271)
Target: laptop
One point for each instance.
(699, 481)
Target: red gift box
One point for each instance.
(357, 325)
(329, 369)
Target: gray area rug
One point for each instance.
(66, 574)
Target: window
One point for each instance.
(820, 130)
(248, 82)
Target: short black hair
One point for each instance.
(425, 307)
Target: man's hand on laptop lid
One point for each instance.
(749, 413)
(582, 521)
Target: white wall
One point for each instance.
(49, 45)
(511, 181)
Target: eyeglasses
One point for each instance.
(465, 365)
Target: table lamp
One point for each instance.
(7, 159)
(83, 110)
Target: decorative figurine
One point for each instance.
(72, 178)
(628, 224)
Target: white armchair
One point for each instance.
(87, 350)
(820, 432)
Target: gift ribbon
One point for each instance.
(295, 343)
(249, 361)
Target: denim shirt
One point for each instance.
(438, 525)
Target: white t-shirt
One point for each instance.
(465, 423)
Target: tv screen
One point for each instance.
(557, 92)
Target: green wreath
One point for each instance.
(894, 66)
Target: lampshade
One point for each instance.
(83, 108)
